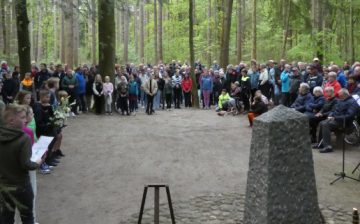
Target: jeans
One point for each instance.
(157, 99)
(22, 195)
(206, 94)
(81, 101)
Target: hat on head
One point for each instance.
(316, 59)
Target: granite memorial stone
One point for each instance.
(281, 186)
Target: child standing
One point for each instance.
(108, 91)
(133, 94)
(168, 89)
(98, 94)
(123, 91)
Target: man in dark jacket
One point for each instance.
(314, 78)
(303, 99)
(15, 163)
(40, 77)
(341, 117)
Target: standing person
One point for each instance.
(245, 89)
(157, 97)
(81, 90)
(9, 89)
(27, 83)
(69, 84)
(133, 94)
(186, 85)
(150, 89)
(90, 78)
(176, 79)
(206, 89)
(314, 78)
(108, 89)
(332, 82)
(295, 81)
(168, 90)
(264, 84)
(123, 96)
(254, 75)
(40, 77)
(15, 163)
(16, 77)
(98, 94)
(285, 86)
(218, 86)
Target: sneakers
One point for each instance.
(44, 169)
(327, 149)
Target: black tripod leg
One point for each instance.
(337, 179)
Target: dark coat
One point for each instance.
(301, 102)
(259, 108)
(316, 104)
(345, 110)
(329, 106)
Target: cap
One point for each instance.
(316, 59)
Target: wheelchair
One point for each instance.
(352, 134)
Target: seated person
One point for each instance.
(263, 97)
(303, 99)
(317, 103)
(258, 107)
(315, 118)
(341, 117)
(223, 100)
(235, 95)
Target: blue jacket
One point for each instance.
(81, 87)
(285, 81)
(342, 79)
(302, 101)
(254, 79)
(345, 110)
(316, 104)
(133, 88)
(206, 83)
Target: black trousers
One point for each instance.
(187, 97)
(149, 106)
(168, 100)
(177, 97)
(22, 195)
(246, 101)
(98, 103)
(285, 99)
(313, 123)
(123, 104)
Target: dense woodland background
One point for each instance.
(67, 31)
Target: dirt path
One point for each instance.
(110, 158)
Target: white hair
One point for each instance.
(305, 85)
(318, 89)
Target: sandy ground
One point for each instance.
(110, 158)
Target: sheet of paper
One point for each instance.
(40, 147)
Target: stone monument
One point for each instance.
(281, 187)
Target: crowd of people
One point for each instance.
(28, 105)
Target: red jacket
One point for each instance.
(186, 84)
(336, 85)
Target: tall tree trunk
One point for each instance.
(40, 10)
(93, 32)
(3, 27)
(225, 37)
(160, 31)
(156, 50)
(194, 91)
(55, 31)
(22, 23)
(253, 52)
(13, 47)
(209, 31)
(141, 26)
(69, 38)
(126, 33)
(76, 32)
(316, 13)
(106, 37)
(239, 31)
(9, 29)
(62, 38)
(136, 25)
(286, 26)
(351, 28)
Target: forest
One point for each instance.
(147, 31)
